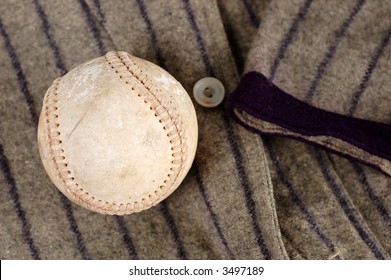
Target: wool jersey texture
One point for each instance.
(294, 164)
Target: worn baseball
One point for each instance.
(117, 134)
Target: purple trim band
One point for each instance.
(257, 96)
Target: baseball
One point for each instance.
(117, 134)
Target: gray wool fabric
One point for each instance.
(246, 196)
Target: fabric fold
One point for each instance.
(263, 107)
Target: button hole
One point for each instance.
(208, 92)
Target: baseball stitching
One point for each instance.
(165, 113)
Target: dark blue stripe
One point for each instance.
(288, 38)
(340, 34)
(61, 66)
(100, 11)
(74, 227)
(23, 86)
(295, 196)
(212, 214)
(93, 27)
(126, 237)
(250, 204)
(251, 14)
(200, 41)
(371, 193)
(151, 33)
(173, 230)
(343, 201)
(10, 182)
(49, 35)
(368, 73)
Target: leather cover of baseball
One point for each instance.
(117, 134)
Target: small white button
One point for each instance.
(209, 92)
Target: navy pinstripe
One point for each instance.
(13, 191)
(23, 85)
(372, 195)
(368, 73)
(61, 66)
(288, 38)
(340, 34)
(251, 13)
(126, 237)
(212, 214)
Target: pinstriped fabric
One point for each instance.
(284, 179)
(296, 198)
(204, 55)
(127, 240)
(93, 26)
(316, 195)
(368, 73)
(268, 144)
(251, 13)
(213, 215)
(288, 38)
(23, 86)
(15, 158)
(152, 34)
(34, 251)
(348, 208)
(331, 51)
(61, 66)
(340, 34)
(100, 11)
(321, 69)
(126, 237)
(372, 195)
(23, 83)
(47, 30)
(350, 213)
(368, 190)
(318, 53)
(174, 231)
(239, 26)
(196, 221)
